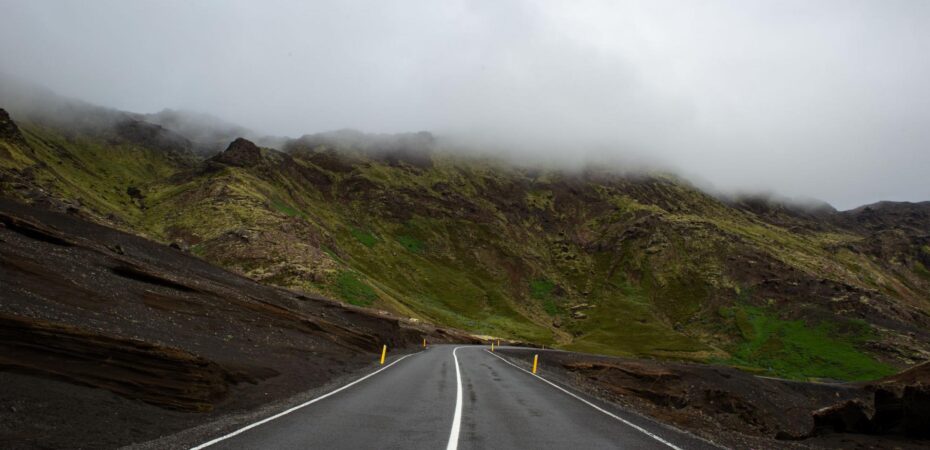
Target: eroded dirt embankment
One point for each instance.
(162, 376)
(740, 410)
(108, 338)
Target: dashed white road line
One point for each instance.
(457, 417)
(626, 422)
(310, 402)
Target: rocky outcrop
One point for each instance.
(241, 153)
(8, 130)
(898, 405)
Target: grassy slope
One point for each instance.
(796, 349)
(491, 249)
(91, 171)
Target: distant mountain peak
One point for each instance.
(241, 152)
(207, 133)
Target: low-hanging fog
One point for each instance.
(825, 99)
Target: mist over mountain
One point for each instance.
(210, 135)
(824, 100)
(205, 135)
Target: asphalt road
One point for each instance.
(446, 398)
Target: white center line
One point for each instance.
(457, 417)
(628, 423)
(269, 419)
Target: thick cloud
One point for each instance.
(825, 99)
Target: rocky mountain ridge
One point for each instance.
(635, 265)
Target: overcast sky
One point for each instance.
(810, 98)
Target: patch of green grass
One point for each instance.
(411, 243)
(364, 237)
(796, 350)
(197, 249)
(744, 324)
(353, 290)
(287, 209)
(330, 252)
(541, 289)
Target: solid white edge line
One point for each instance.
(295, 408)
(457, 417)
(628, 423)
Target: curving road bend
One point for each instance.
(456, 398)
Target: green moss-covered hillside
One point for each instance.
(640, 265)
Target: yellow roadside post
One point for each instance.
(383, 353)
(492, 346)
(535, 361)
(424, 342)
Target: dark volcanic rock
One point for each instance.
(242, 153)
(899, 404)
(916, 411)
(162, 376)
(134, 192)
(8, 129)
(849, 416)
